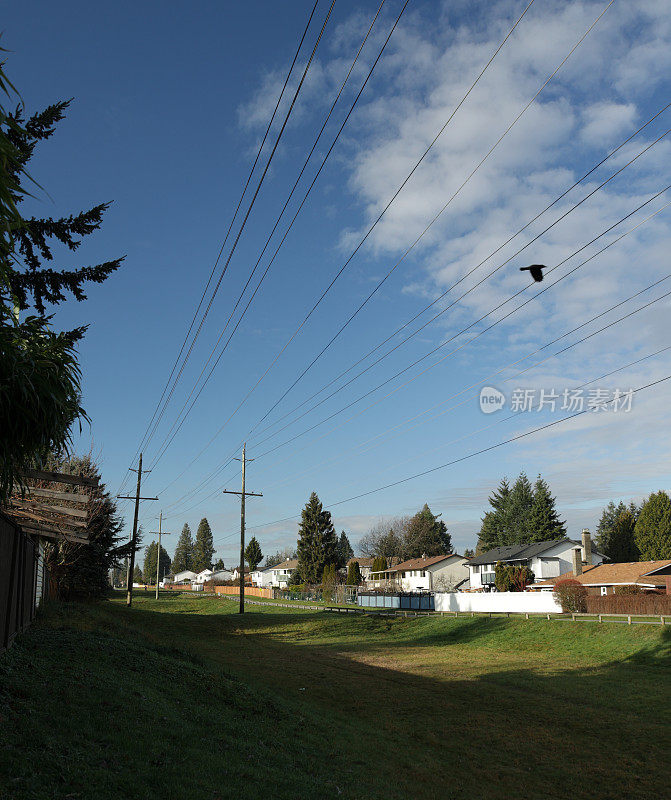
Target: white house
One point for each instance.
(204, 576)
(434, 573)
(545, 559)
(275, 576)
(185, 577)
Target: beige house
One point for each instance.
(446, 573)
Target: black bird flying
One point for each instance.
(536, 271)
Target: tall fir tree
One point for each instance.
(354, 577)
(203, 548)
(183, 559)
(345, 551)
(519, 504)
(137, 575)
(426, 535)
(653, 528)
(317, 542)
(149, 570)
(253, 554)
(544, 523)
(219, 564)
(615, 533)
(495, 529)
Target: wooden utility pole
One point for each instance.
(243, 494)
(158, 552)
(137, 498)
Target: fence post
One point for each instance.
(527, 615)
(629, 620)
(600, 619)
(572, 617)
(548, 616)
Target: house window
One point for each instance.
(488, 578)
(604, 590)
(476, 568)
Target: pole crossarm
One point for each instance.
(126, 497)
(246, 494)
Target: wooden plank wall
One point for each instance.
(18, 556)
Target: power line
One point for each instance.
(462, 296)
(372, 227)
(209, 280)
(452, 462)
(476, 322)
(178, 423)
(494, 324)
(484, 261)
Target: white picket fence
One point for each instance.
(500, 602)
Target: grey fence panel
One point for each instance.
(17, 580)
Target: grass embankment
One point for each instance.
(182, 698)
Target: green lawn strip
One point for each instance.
(301, 704)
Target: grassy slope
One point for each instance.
(304, 705)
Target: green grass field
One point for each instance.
(183, 698)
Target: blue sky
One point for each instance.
(170, 103)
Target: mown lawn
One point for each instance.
(183, 698)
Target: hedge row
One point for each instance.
(629, 604)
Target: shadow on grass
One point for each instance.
(248, 706)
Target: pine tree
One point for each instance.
(253, 554)
(519, 506)
(329, 581)
(218, 565)
(469, 553)
(183, 559)
(616, 538)
(150, 563)
(137, 575)
(317, 542)
(345, 551)
(427, 535)
(495, 529)
(379, 564)
(653, 528)
(203, 548)
(544, 523)
(354, 577)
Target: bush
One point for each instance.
(572, 595)
(629, 590)
(636, 603)
(511, 578)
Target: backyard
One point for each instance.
(183, 698)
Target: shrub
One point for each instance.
(511, 578)
(637, 603)
(572, 595)
(628, 590)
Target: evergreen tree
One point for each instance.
(253, 554)
(519, 506)
(329, 581)
(468, 553)
(83, 570)
(426, 535)
(653, 528)
(354, 577)
(379, 564)
(544, 523)
(203, 548)
(183, 559)
(150, 563)
(218, 565)
(495, 530)
(317, 542)
(615, 538)
(40, 378)
(344, 551)
(137, 575)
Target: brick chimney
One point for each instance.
(577, 561)
(586, 547)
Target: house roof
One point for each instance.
(522, 552)
(421, 563)
(613, 574)
(290, 563)
(364, 561)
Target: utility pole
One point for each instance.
(243, 494)
(137, 498)
(158, 552)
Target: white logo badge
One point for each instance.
(491, 400)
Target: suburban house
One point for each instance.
(365, 565)
(235, 574)
(651, 576)
(445, 573)
(275, 576)
(209, 575)
(545, 559)
(185, 577)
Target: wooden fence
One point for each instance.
(250, 591)
(19, 580)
